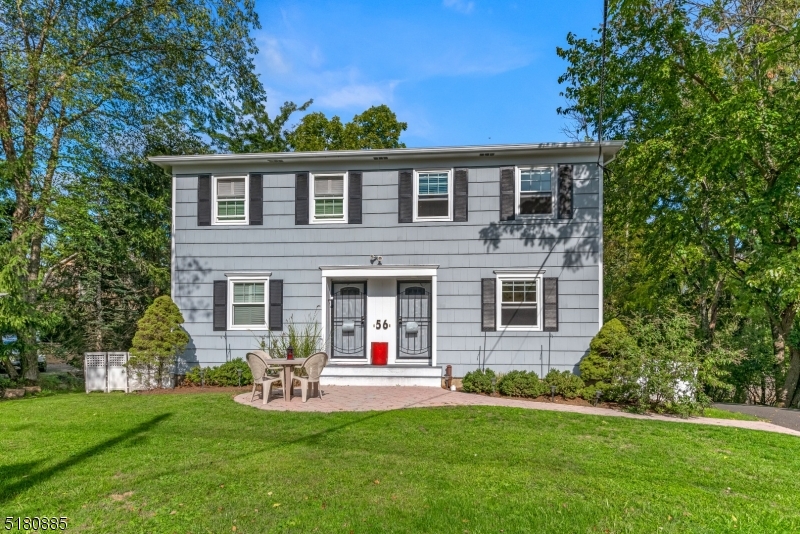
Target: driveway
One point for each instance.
(785, 417)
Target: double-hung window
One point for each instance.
(230, 200)
(328, 198)
(535, 190)
(433, 194)
(248, 303)
(520, 302)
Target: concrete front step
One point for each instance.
(381, 375)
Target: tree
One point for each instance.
(706, 95)
(78, 76)
(159, 339)
(376, 127)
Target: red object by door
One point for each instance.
(380, 353)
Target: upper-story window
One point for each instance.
(433, 195)
(230, 200)
(329, 198)
(535, 190)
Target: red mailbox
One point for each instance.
(380, 353)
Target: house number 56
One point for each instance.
(378, 325)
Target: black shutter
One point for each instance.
(405, 197)
(488, 298)
(276, 305)
(354, 196)
(204, 200)
(461, 196)
(256, 200)
(301, 198)
(220, 305)
(550, 304)
(508, 176)
(565, 191)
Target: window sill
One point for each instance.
(230, 223)
(248, 327)
(327, 221)
(519, 328)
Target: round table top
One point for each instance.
(284, 361)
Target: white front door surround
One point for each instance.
(381, 302)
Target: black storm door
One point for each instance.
(348, 318)
(414, 305)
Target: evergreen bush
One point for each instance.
(225, 375)
(521, 384)
(478, 381)
(567, 384)
(158, 340)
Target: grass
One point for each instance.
(716, 413)
(201, 463)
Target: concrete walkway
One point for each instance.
(786, 417)
(363, 399)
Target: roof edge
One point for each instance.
(608, 147)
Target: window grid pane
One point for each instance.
(535, 180)
(231, 188)
(230, 209)
(519, 291)
(329, 208)
(433, 184)
(248, 292)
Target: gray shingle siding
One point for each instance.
(464, 251)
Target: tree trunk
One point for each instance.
(29, 358)
(10, 369)
(792, 378)
(781, 325)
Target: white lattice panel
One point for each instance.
(95, 371)
(117, 372)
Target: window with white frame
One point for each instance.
(328, 198)
(519, 302)
(230, 200)
(432, 195)
(248, 303)
(535, 190)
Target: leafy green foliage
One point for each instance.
(567, 384)
(159, 339)
(521, 384)
(478, 381)
(376, 127)
(702, 203)
(611, 345)
(226, 374)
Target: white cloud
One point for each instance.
(459, 5)
(358, 96)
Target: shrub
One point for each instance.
(521, 384)
(608, 351)
(224, 375)
(158, 340)
(567, 384)
(60, 382)
(478, 381)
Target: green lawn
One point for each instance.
(201, 463)
(725, 414)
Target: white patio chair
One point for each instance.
(258, 366)
(313, 366)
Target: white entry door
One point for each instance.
(382, 314)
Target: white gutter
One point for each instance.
(381, 154)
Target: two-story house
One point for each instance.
(455, 256)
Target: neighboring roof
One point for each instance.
(609, 149)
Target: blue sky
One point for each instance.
(459, 72)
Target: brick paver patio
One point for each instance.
(363, 399)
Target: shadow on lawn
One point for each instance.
(9, 473)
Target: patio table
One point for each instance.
(286, 380)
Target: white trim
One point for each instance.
(172, 254)
(215, 210)
(518, 186)
(364, 273)
(600, 256)
(311, 197)
(370, 268)
(499, 301)
(249, 274)
(449, 217)
(523, 272)
(243, 278)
